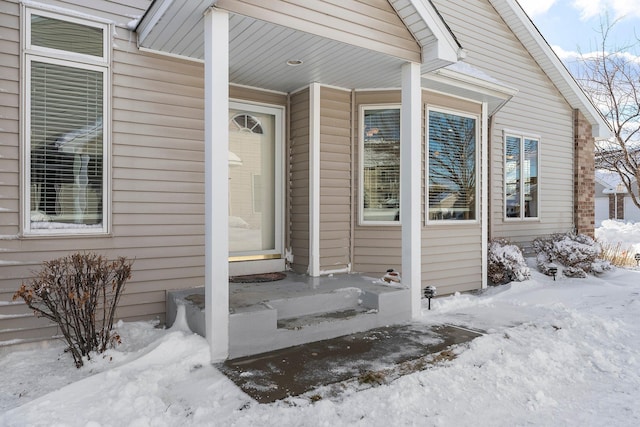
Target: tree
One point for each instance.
(611, 76)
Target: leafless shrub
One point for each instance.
(79, 293)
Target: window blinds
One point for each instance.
(381, 164)
(66, 144)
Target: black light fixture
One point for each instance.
(430, 292)
(637, 260)
(553, 270)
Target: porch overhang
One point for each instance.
(261, 42)
(251, 44)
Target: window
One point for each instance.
(521, 176)
(452, 159)
(66, 80)
(256, 181)
(380, 165)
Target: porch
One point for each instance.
(295, 310)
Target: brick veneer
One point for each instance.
(584, 175)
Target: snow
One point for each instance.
(613, 231)
(554, 353)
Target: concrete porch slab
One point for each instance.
(315, 370)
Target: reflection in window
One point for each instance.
(521, 177)
(452, 166)
(380, 173)
(68, 36)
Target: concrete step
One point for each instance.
(249, 336)
(297, 323)
(288, 321)
(336, 300)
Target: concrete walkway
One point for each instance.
(316, 370)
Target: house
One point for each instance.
(612, 201)
(209, 139)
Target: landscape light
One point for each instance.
(430, 292)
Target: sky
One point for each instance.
(572, 26)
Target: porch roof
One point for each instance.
(261, 43)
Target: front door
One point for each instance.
(255, 182)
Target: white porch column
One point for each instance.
(411, 183)
(484, 188)
(216, 159)
(314, 180)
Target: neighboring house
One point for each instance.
(214, 138)
(612, 199)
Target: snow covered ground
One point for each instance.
(563, 353)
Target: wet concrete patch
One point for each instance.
(370, 357)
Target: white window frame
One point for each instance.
(477, 212)
(34, 53)
(522, 136)
(361, 220)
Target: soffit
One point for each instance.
(259, 50)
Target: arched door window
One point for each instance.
(247, 123)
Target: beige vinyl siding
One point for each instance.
(451, 257)
(9, 121)
(157, 192)
(299, 180)
(451, 253)
(254, 95)
(157, 183)
(335, 179)
(372, 25)
(537, 108)
(376, 248)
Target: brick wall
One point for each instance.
(620, 206)
(612, 206)
(616, 207)
(584, 175)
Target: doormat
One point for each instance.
(325, 369)
(257, 278)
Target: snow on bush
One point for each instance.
(577, 254)
(506, 263)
